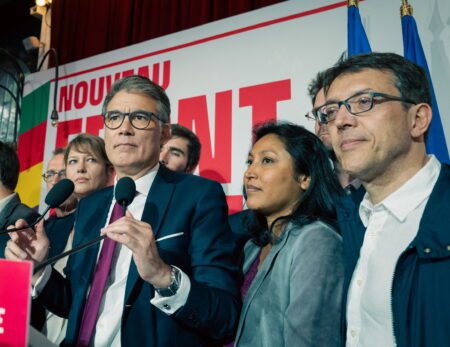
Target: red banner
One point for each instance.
(15, 289)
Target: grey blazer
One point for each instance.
(295, 298)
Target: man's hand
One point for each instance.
(28, 244)
(138, 237)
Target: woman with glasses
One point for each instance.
(293, 264)
(87, 165)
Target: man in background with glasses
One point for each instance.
(11, 208)
(397, 240)
(316, 92)
(55, 172)
(165, 274)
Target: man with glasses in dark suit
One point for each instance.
(164, 275)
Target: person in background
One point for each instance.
(165, 272)
(89, 168)
(317, 94)
(397, 238)
(56, 171)
(182, 152)
(293, 264)
(11, 208)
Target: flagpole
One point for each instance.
(435, 141)
(357, 41)
(406, 9)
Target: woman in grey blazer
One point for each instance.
(293, 265)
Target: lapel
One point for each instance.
(8, 211)
(266, 267)
(155, 209)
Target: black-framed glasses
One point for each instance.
(50, 175)
(138, 119)
(356, 104)
(314, 113)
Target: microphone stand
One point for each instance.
(6, 231)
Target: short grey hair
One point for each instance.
(141, 85)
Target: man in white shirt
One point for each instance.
(397, 241)
(172, 277)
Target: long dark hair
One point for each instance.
(309, 157)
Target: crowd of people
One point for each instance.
(343, 242)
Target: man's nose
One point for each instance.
(344, 118)
(126, 128)
(164, 156)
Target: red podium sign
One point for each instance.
(15, 279)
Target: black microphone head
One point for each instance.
(125, 191)
(59, 193)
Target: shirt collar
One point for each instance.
(405, 199)
(144, 183)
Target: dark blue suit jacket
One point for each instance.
(176, 203)
(58, 230)
(421, 284)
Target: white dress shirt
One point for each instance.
(391, 226)
(108, 328)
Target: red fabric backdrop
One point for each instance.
(82, 28)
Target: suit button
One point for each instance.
(427, 250)
(448, 247)
(166, 306)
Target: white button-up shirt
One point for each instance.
(391, 226)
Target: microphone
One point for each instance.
(55, 197)
(125, 192)
(124, 195)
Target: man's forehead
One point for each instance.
(349, 83)
(320, 98)
(125, 99)
(177, 142)
(56, 161)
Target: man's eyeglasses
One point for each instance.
(356, 104)
(138, 119)
(314, 113)
(50, 175)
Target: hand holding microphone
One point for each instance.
(124, 193)
(29, 242)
